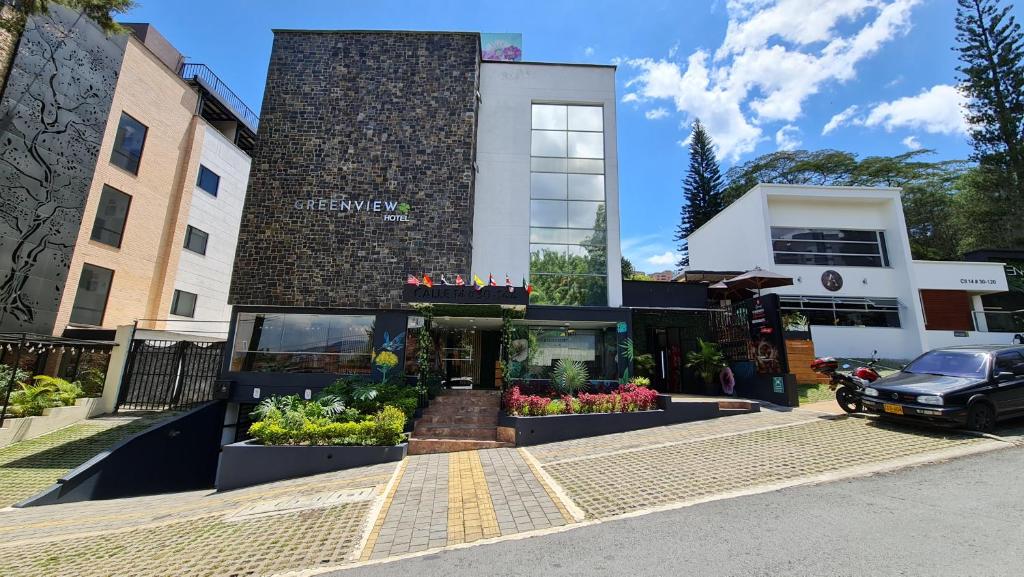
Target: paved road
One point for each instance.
(961, 518)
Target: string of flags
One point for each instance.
(476, 282)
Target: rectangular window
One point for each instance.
(195, 240)
(208, 180)
(845, 311)
(91, 297)
(595, 348)
(829, 247)
(303, 343)
(568, 221)
(184, 304)
(111, 215)
(128, 144)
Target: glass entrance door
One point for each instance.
(460, 357)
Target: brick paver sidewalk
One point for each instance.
(28, 467)
(433, 501)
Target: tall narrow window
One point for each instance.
(91, 297)
(208, 180)
(128, 144)
(111, 215)
(568, 222)
(184, 304)
(195, 239)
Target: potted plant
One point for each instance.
(707, 361)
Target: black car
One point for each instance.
(968, 386)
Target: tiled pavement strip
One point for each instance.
(431, 501)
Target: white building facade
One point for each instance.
(547, 171)
(855, 281)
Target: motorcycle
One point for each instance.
(849, 387)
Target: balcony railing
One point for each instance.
(1000, 321)
(202, 73)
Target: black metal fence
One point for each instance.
(163, 374)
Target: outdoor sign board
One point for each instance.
(501, 46)
(466, 294)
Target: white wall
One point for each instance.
(209, 275)
(737, 238)
(501, 220)
(968, 276)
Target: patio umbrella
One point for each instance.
(758, 279)
(725, 291)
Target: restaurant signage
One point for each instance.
(467, 294)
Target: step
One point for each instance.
(441, 413)
(468, 402)
(460, 418)
(423, 446)
(453, 431)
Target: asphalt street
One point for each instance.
(964, 517)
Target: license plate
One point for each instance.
(894, 409)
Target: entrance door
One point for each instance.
(460, 360)
(490, 343)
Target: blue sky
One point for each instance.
(867, 76)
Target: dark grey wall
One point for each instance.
(359, 116)
(52, 116)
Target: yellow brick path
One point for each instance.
(470, 511)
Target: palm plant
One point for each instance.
(31, 398)
(707, 361)
(66, 392)
(570, 376)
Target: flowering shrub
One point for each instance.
(628, 398)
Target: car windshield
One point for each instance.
(952, 363)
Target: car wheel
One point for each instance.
(848, 401)
(981, 418)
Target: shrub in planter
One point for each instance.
(628, 398)
(43, 393)
(708, 361)
(569, 376)
(294, 426)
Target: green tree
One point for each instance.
(929, 188)
(627, 269)
(991, 49)
(702, 188)
(102, 12)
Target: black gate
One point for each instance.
(164, 375)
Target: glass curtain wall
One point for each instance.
(303, 343)
(568, 221)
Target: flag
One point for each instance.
(479, 283)
(413, 281)
(508, 283)
(426, 281)
(527, 286)
(444, 281)
(490, 280)
(459, 281)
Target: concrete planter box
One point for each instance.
(552, 428)
(248, 463)
(25, 428)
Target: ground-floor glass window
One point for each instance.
(303, 343)
(844, 311)
(595, 348)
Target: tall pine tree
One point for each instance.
(992, 77)
(702, 189)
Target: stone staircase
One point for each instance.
(458, 420)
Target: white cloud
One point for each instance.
(630, 97)
(840, 119)
(775, 55)
(911, 142)
(588, 51)
(788, 137)
(659, 112)
(668, 258)
(937, 110)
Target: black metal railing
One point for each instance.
(163, 375)
(191, 71)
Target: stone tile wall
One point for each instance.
(359, 116)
